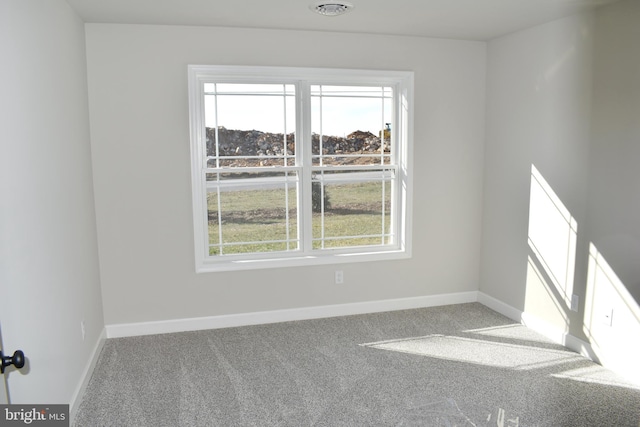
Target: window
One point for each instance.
(296, 166)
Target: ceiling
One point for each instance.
(457, 19)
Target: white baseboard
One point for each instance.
(559, 336)
(318, 312)
(500, 307)
(263, 317)
(540, 326)
(86, 376)
(582, 347)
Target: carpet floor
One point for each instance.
(457, 365)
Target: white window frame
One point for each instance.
(303, 78)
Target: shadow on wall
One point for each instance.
(611, 320)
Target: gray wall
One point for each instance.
(614, 181)
(140, 148)
(564, 97)
(613, 223)
(538, 113)
(48, 245)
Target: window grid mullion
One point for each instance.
(383, 210)
(284, 131)
(322, 210)
(394, 151)
(219, 202)
(286, 174)
(321, 124)
(304, 143)
(218, 196)
(382, 140)
(215, 123)
(321, 157)
(286, 211)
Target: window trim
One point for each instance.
(198, 75)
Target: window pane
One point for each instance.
(248, 112)
(249, 125)
(237, 148)
(340, 116)
(351, 214)
(351, 125)
(257, 213)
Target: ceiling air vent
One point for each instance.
(331, 9)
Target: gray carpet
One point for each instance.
(459, 365)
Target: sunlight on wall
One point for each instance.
(552, 238)
(552, 235)
(541, 300)
(612, 318)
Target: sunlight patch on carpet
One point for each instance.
(516, 331)
(596, 374)
(479, 352)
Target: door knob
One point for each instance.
(16, 360)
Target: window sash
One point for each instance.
(304, 169)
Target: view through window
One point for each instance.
(297, 168)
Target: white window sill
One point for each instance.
(300, 261)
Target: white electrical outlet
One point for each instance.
(339, 277)
(82, 329)
(575, 301)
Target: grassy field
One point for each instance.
(258, 217)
